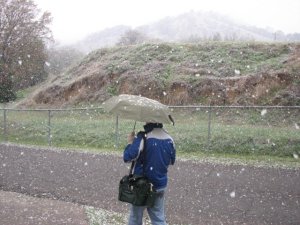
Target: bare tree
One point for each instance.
(23, 32)
(217, 37)
(132, 37)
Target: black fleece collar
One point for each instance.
(150, 126)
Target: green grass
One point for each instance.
(234, 134)
(172, 59)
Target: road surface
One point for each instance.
(198, 192)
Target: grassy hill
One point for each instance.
(217, 73)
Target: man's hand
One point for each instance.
(130, 137)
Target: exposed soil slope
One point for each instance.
(181, 74)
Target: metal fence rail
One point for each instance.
(197, 127)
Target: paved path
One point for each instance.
(198, 193)
(20, 209)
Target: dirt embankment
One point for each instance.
(95, 79)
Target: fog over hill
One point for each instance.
(104, 38)
(203, 25)
(188, 27)
(181, 60)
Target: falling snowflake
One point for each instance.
(297, 126)
(85, 163)
(232, 194)
(295, 155)
(20, 62)
(237, 72)
(263, 112)
(164, 93)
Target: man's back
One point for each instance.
(160, 153)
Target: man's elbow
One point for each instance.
(126, 158)
(172, 161)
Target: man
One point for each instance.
(160, 153)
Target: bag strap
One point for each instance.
(131, 167)
(143, 155)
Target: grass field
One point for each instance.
(231, 132)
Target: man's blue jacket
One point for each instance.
(160, 153)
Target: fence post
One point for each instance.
(4, 125)
(49, 127)
(117, 131)
(209, 128)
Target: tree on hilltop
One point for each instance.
(132, 37)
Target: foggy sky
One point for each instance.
(73, 20)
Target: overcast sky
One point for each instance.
(75, 19)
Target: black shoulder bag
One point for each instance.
(137, 189)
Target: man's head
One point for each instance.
(149, 126)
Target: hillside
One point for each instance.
(187, 27)
(217, 73)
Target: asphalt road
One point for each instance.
(21, 209)
(198, 192)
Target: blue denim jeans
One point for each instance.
(156, 213)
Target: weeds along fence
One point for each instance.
(267, 130)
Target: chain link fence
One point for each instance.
(267, 130)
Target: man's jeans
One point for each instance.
(156, 213)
